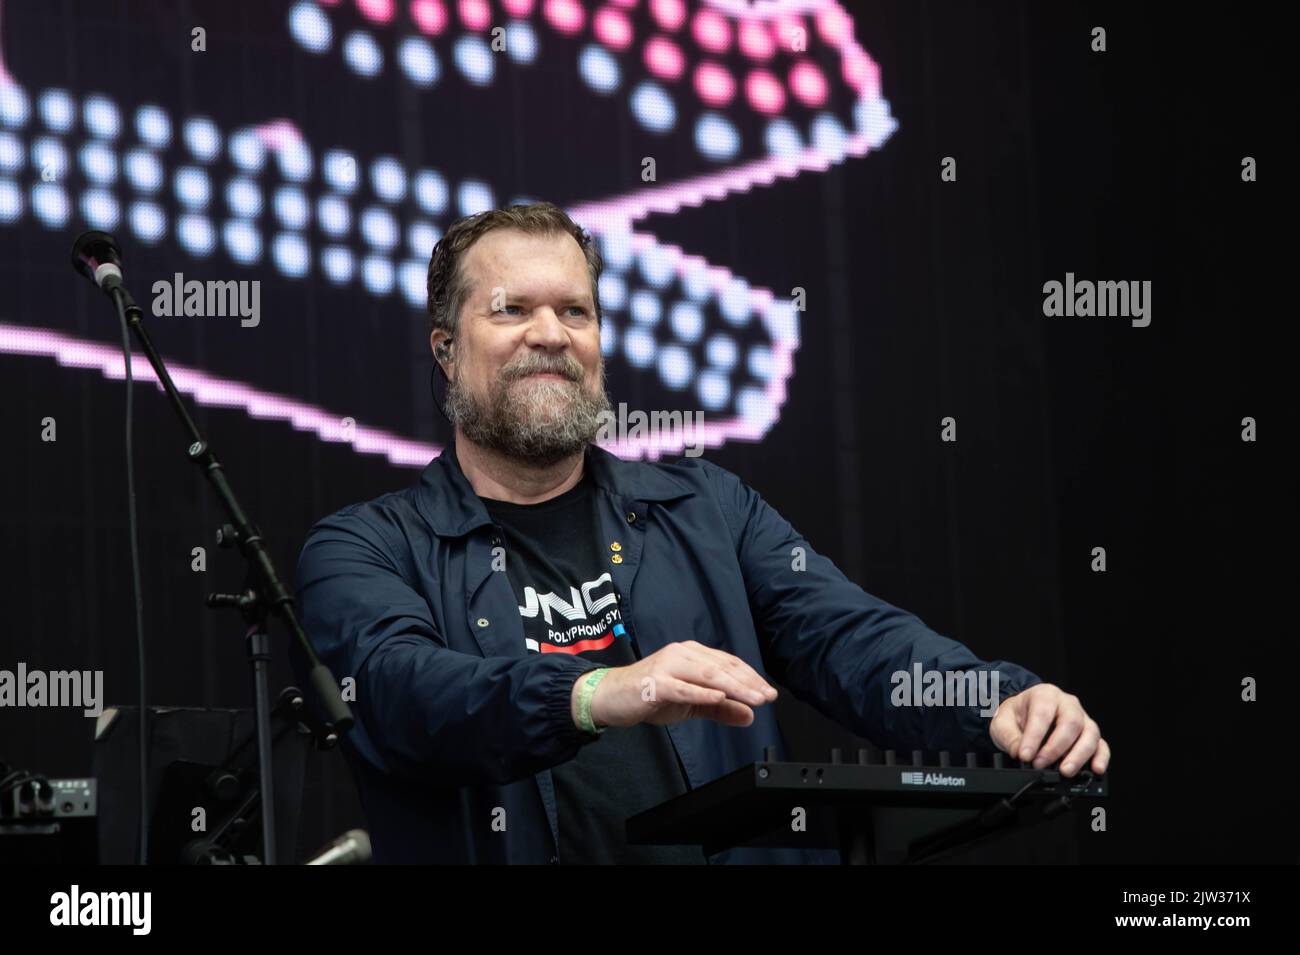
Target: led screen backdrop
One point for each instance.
(615, 110)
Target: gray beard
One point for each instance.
(534, 423)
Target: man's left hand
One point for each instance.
(1021, 722)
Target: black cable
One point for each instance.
(1011, 800)
(132, 530)
(15, 778)
(24, 778)
(433, 394)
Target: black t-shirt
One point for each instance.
(560, 574)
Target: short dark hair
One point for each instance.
(447, 284)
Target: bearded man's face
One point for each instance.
(527, 378)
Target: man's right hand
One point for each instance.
(682, 681)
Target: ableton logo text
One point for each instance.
(932, 779)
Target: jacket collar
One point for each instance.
(448, 502)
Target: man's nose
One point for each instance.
(546, 330)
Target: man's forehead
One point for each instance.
(509, 246)
(525, 264)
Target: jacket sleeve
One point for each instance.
(838, 648)
(423, 710)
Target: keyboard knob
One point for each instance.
(972, 760)
(769, 754)
(868, 756)
(918, 757)
(999, 761)
(891, 758)
(944, 759)
(837, 755)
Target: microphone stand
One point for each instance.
(263, 592)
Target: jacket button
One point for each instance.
(482, 621)
(631, 517)
(555, 860)
(496, 542)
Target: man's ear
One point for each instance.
(442, 352)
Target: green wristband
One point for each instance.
(585, 693)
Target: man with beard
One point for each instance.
(544, 640)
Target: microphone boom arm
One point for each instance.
(95, 255)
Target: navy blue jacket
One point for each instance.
(456, 721)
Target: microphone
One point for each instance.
(96, 256)
(351, 848)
